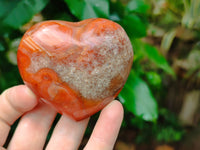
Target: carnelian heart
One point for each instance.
(76, 67)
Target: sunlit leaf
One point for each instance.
(167, 40)
(191, 18)
(84, 9)
(138, 99)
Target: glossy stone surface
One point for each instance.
(76, 67)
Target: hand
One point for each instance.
(37, 118)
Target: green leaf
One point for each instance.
(6, 6)
(169, 134)
(138, 99)
(153, 55)
(2, 48)
(153, 79)
(20, 12)
(117, 8)
(168, 40)
(137, 6)
(191, 18)
(134, 26)
(84, 9)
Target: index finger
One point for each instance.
(13, 103)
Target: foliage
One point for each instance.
(89, 8)
(138, 99)
(14, 15)
(140, 19)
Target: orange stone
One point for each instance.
(78, 68)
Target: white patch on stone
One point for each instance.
(92, 81)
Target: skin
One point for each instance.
(36, 120)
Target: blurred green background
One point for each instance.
(161, 96)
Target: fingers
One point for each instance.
(67, 134)
(33, 128)
(13, 103)
(106, 130)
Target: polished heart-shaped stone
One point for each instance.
(78, 68)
